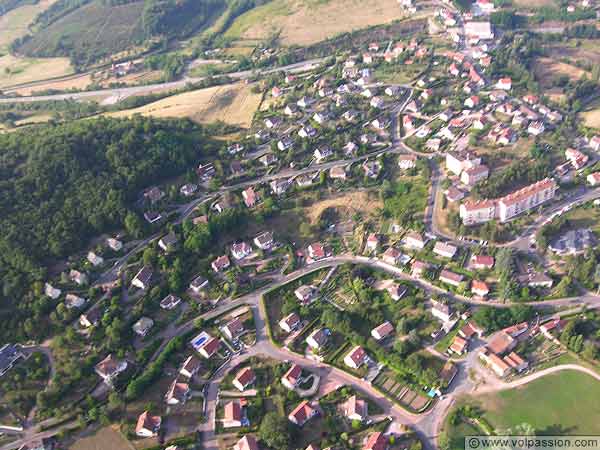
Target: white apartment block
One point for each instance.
(525, 199)
(457, 162)
(509, 206)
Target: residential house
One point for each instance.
(221, 263)
(153, 194)
(268, 159)
(74, 301)
(322, 153)
(167, 243)
(233, 329)
(142, 278)
(406, 162)
(209, 347)
(114, 244)
(9, 355)
(250, 196)
(479, 288)
(317, 251)
(302, 413)
(391, 256)
(504, 83)
(240, 250)
(372, 242)
(356, 357)
(377, 102)
(232, 417)
(247, 442)
(317, 339)
(292, 377)
(478, 31)
(453, 194)
(355, 409)
(441, 311)
(515, 362)
(459, 345)
(188, 189)
(190, 367)
(78, 277)
(469, 330)
(109, 369)
(451, 278)
(198, 284)
(306, 294)
(445, 250)
(338, 173)
(285, 143)
(396, 291)
(536, 128)
(92, 316)
(290, 322)
(414, 240)
(147, 425)
(494, 362)
(482, 261)
(307, 131)
(376, 441)
(143, 326)
(382, 331)
(577, 159)
(244, 378)
(593, 178)
(264, 240)
(272, 122)
(178, 393)
(279, 186)
(418, 268)
(502, 343)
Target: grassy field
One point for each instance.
(592, 118)
(14, 24)
(26, 70)
(305, 22)
(233, 103)
(534, 4)
(549, 69)
(557, 404)
(104, 438)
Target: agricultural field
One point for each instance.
(303, 22)
(591, 117)
(233, 103)
(27, 70)
(108, 437)
(535, 4)
(555, 404)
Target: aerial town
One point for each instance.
(400, 248)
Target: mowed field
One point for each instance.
(592, 118)
(304, 22)
(563, 403)
(103, 439)
(535, 4)
(233, 103)
(26, 70)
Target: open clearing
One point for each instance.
(592, 118)
(548, 69)
(26, 70)
(557, 404)
(362, 202)
(534, 4)
(105, 438)
(14, 24)
(305, 22)
(233, 103)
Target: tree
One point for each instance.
(274, 431)
(133, 225)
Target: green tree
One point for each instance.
(274, 431)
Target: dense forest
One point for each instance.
(62, 185)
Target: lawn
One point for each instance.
(560, 403)
(304, 22)
(232, 103)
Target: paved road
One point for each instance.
(117, 94)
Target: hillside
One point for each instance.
(89, 30)
(63, 185)
(304, 22)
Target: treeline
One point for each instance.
(57, 10)
(62, 185)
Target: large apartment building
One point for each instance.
(505, 208)
(525, 199)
